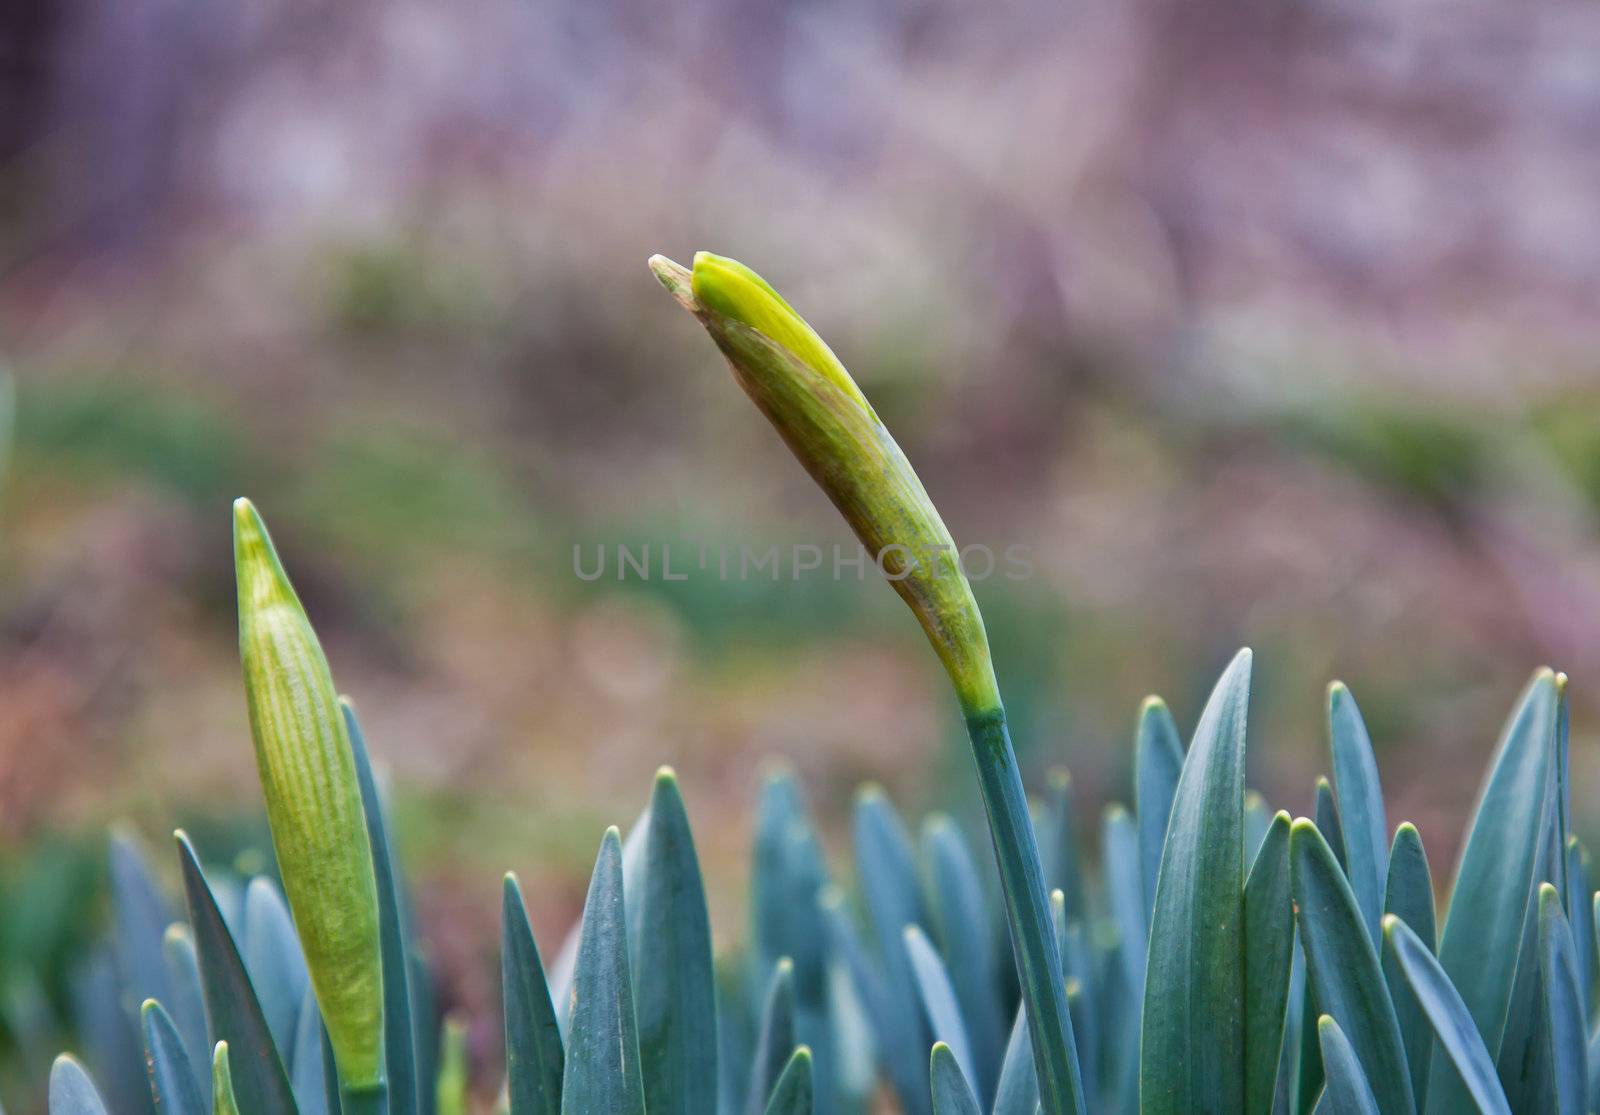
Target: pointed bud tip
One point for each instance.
(677, 280)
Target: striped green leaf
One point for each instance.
(952, 1095)
(231, 1004)
(1342, 967)
(1408, 894)
(601, 1075)
(676, 987)
(1348, 1091)
(1193, 1028)
(534, 1053)
(1268, 948)
(1366, 830)
(173, 1084)
(1452, 1023)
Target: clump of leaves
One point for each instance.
(1220, 958)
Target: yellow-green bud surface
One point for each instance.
(308, 776)
(806, 393)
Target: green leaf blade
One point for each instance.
(534, 1054)
(601, 1074)
(1268, 950)
(1342, 967)
(1408, 894)
(952, 1095)
(232, 1009)
(1563, 1004)
(676, 986)
(1348, 1090)
(1158, 764)
(1361, 813)
(1488, 916)
(173, 1084)
(1452, 1023)
(1193, 1031)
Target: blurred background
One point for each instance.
(1258, 322)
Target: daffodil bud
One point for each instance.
(308, 776)
(800, 385)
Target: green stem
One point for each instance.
(1033, 942)
(370, 1100)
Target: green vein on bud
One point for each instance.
(794, 378)
(308, 777)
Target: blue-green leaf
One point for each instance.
(1348, 1091)
(232, 1008)
(1268, 949)
(534, 1054)
(1059, 857)
(1193, 1030)
(173, 1084)
(1581, 916)
(1119, 845)
(188, 1007)
(676, 986)
(1017, 1093)
(1158, 762)
(399, 1040)
(1485, 926)
(952, 1095)
(888, 879)
(1366, 830)
(306, 1068)
(1326, 815)
(1408, 894)
(1342, 967)
(792, 1094)
(601, 1076)
(939, 1004)
(962, 926)
(787, 876)
(1452, 1023)
(142, 916)
(1563, 1004)
(71, 1090)
(272, 957)
(775, 1042)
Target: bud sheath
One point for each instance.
(308, 776)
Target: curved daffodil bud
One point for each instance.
(803, 389)
(308, 776)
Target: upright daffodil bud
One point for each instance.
(803, 389)
(308, 776)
